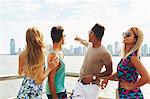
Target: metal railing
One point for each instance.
(15, 76)
(68, 74)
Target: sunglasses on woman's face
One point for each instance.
(126, 34)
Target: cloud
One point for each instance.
(20, 11)
(76, 16)
(30, 6)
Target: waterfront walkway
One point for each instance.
(9, 85)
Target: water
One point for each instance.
(9, 65)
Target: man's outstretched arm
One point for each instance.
(84, 42)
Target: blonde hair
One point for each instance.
(34, 51)
(137, 45)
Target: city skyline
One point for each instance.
(80, 50)
(76, 17)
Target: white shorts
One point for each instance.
(89, 91)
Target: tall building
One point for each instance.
(66, 51)
(149, 51)
(71, 50)
(76, 51)
(19, 51)
(145, 50)
(84, 50)
(80, 50)
(110, 48)
(12, 47)
(117, 48)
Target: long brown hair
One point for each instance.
(34, 50)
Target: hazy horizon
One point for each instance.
(76, 17)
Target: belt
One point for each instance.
(85, 83)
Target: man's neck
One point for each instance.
(96, 44)
(57, 47)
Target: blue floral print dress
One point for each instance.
(30, 90)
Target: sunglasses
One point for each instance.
(126, 34)
(64, 35)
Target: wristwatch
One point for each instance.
(94, 77)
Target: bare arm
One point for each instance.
(141, 70)
(51, 84)
(105, 81)
(52, 64)
(113, 76)
(51, 76)
(143, 73)
(84, 42)
(107, 61)
(21, 64)
(42, 74)
(107, 72)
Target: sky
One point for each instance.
(76, 16)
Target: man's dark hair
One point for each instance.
(98, 31)
(56, 33)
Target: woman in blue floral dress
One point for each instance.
(31, 65)
(130, 67)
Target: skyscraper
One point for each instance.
(149, 50)
(144, 50)
(84, 50)
(71, 50)
(12, 47)
(110, 48)
(80, 50)
(117, 48)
